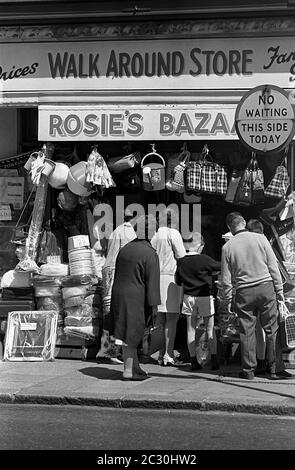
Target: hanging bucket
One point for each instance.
(153, 174)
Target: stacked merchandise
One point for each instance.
(48, 295)
(80, 256)
(82, 306)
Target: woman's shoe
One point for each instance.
(171, 361)
(137, 377)
(160, 361)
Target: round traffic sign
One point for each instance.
(264, 119)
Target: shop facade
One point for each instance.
(140, 86)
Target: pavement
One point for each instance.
(98, 383)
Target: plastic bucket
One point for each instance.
(153, 174)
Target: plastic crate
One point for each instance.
(30, 335)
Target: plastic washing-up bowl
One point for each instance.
(58, 178)
(76, 180)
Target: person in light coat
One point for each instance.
(169, 246)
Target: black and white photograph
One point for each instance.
(147, 232)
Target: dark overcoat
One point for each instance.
(136, 288)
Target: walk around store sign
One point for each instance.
(36, 71)
(136, 123)
(181, 71)
(265, 120)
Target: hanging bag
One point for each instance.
(153, 174)
(233, 186)
(193, 176)
(279, 184)
(251, 186)
(213, 178)
(119, 164)
(175, 171)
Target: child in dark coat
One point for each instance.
(194, 273)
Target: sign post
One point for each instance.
(265, 120)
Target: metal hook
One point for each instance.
(153, 148)
(205, 149)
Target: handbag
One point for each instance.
(153, 338)
(233, 186)
(279, 184)
(251, 185)
(206, 176)
(119, 164)
(193, 176)
(213, 176)
(286, 326)
(175, 171)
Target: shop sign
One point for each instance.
(33, 71)
(264, 119)
(136, 123)
(12, 191)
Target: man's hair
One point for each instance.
(254, 225)
(193, 243)
(127, 218)
(128, 215)
(146, 226)
(233, 220)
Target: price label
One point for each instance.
(80, 241)
(5, 212)
(28, 326)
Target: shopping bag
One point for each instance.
(193, 176)
(279, 184)
(206, 176)
(286, 326)
(213, 178)
(233, 186)
(175, 172)
(251, 186)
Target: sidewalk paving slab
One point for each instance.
(93, 383)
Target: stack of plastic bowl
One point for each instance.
(48, 295)
(80, 256)
(76, 180)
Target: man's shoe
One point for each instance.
(285, 375)
(214, 362)
(249, 375)
(261, 367)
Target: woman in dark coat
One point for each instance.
(135, 295)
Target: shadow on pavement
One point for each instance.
(102, 373)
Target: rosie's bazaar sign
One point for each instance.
(186, 64)
(136, 123)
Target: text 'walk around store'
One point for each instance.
(134, 115)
